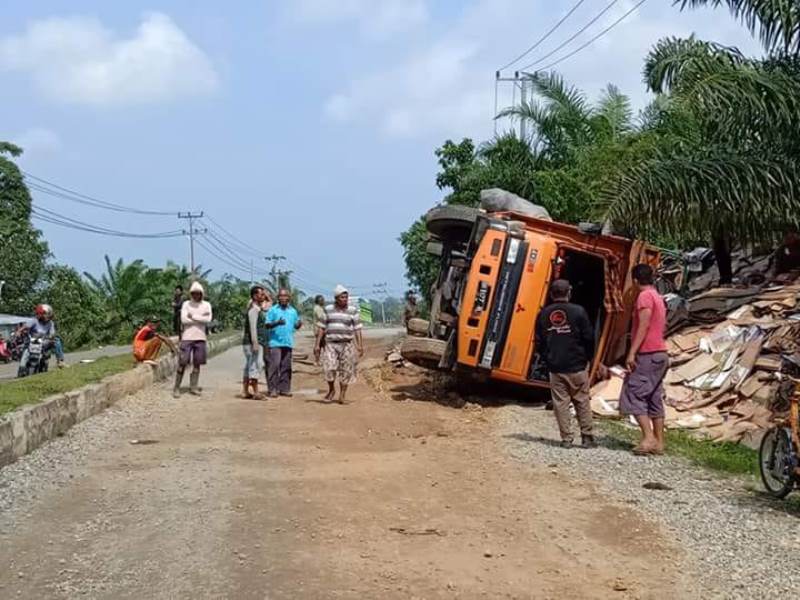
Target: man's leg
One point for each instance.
(559, 390)
(581, 399)
(658, 433)
(285, 386)
(183, 361)
(273, 375)
(151, 349)
(346, 369)
(198, 359)
(648, 441)
(22, 370)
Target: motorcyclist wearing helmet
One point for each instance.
(44, 328)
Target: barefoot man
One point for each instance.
(341, 332)
(647, 363)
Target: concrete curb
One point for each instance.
(28, 427)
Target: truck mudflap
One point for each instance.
(507, 287)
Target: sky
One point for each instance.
(303, 128)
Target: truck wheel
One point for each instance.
(424, 352)
(452, 223)
(418, 327)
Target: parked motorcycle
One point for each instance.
(5, 353)
(38, 357)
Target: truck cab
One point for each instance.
(494, 277)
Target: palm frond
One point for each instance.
(670, 57)
(751, 198)
(615, 108)
(776, 22)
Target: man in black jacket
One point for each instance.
(565, 342)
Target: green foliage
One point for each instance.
(421, 267)
(22, 251)
(19, 392)
(80, 314)
(727, 138)
(229, 298)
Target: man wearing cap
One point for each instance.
(148, 341)
(565, 342)
(340, 331)
(282, 321)
(195, 317)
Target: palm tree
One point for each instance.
(727, 168)
(131, 293)
(564, 122)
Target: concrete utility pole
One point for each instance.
(274, 259)
(191, 233)
(524, 85)
(382, 290)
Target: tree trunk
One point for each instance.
(722, 254)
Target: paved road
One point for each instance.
(9, 371)
(294, 498)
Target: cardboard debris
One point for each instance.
(722, 378)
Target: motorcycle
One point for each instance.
(5, 353)
(779, 453)
(38, 357)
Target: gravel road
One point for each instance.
(743, 544)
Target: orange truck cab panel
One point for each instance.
(513, 261)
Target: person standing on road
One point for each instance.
(263, 332)
(282, 321)
(195, 317)
(647, 363)
(250, 343)
(177, 303)
(319, 316)
(565, 342)
(338, 340)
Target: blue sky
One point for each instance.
(305, 127)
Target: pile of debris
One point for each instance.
(724, 380)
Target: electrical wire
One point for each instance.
(49, 216)
(595, 38)
(221, 259)
(68, 194)
(565, 43)
(545, 36)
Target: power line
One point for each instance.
(544, 37)
(49, 216)
(218, 257)
(68, 194)
(580, 31)
(595, 38)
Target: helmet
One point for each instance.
(43, 311)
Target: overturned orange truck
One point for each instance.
(495, 272)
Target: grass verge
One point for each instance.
(18, 392)
(731, 459)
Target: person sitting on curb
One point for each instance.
(148, 341)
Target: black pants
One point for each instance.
(176, 324)
(279, 374)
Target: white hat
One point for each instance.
(339, 290)
(196, 287)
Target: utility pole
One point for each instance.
(274, 259)
(381, 288)
(192, 232)
(524, 85)
(2, 283)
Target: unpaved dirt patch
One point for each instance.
(295, 498)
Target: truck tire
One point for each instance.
(423, 352)
(418, 327)
(452, 223)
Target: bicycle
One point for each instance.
(778, 453)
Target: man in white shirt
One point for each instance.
(195, 316)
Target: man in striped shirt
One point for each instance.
(341, 332)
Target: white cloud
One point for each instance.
(446, 87)
(376, 19)
(37, 141)
(79, 60)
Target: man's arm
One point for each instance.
(205, 315)
(645, 314)
(170, 344)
